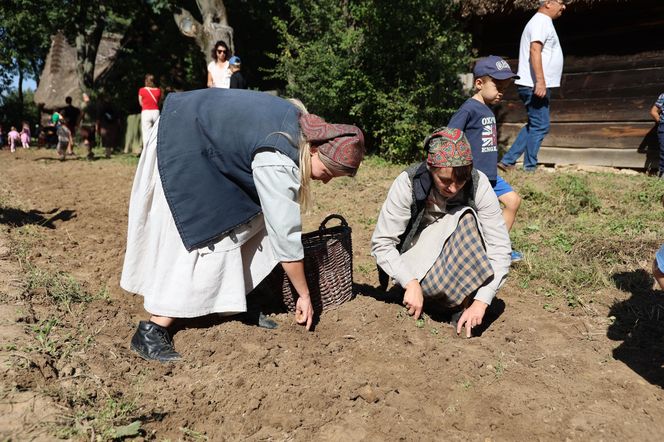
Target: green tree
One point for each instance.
(25, 30)
(85, 25)
(152, 44)
(26, 27)
(391, 69)
(15, 109)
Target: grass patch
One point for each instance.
(42, 333)
(192, 435)
(113, 420)
(61, 288)
(23, 240)
(576, 194)
(116, 157)
(579, 229)
(375, 161)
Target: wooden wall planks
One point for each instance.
(624, 135)
(600, 114)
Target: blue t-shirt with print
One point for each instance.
(659, 104)
(478, 122)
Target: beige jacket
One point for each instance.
(438, 226)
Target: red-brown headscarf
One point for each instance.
(342, 144)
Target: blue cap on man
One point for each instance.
(493, 66)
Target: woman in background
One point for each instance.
(219, 74)
(149, 97)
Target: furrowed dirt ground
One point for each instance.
(542, 369)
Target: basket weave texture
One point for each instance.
(328, 267)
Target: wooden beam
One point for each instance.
(619, 136)
(601, 84)
(614, 62)
(583, 110)
(593, 63)
(596, 157)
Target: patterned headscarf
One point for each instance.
(341, 143)
(448, 147)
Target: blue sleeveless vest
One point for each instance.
(206, 142)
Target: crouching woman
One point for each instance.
(440, 234)
(215, 205)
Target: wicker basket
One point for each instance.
(328, 266)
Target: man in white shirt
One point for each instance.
(540, 70)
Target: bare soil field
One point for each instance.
(562, 356)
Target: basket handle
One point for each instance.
(329, 217)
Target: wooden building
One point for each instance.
(613, 73)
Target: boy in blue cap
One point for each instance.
(492, 75)
(237, 80)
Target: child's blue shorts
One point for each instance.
(502, 187)
(660, 259)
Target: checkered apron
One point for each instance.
(462, 266)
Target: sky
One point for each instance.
(27, 84)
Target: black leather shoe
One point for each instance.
(256, 317)
(153, 343)
(265, 322)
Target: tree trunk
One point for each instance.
(214, 27)
(91, 27)
(36, 72)
(20, 91)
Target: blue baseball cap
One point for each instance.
(234, 60)
(494, 67)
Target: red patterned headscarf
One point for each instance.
(343, 144)
(448, 147)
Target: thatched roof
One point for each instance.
(484, 7)
(58, 79)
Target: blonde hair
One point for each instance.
(305, 162)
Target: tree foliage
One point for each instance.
(26, 27)
(25, 30)
(152, 44)
(15, 109)
(390, 68)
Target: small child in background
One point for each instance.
(14, 138)
(492, 75)
(57, 116)
(25, 135)
(656, 113)
(237, 80)
(65, 141)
